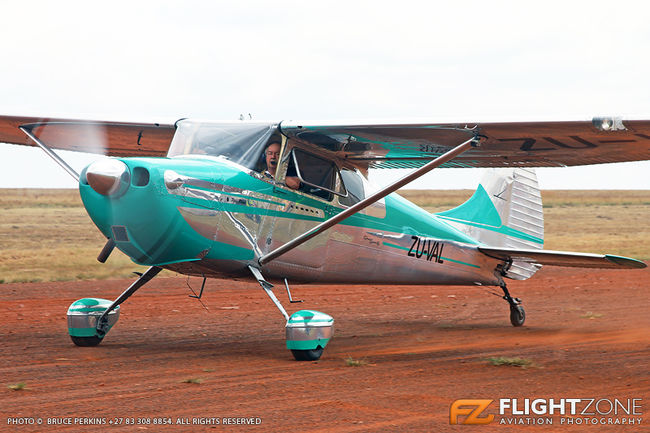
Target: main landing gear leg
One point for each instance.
(89, 319)
(517, 313)
(307, 331)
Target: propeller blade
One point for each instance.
(106, 251)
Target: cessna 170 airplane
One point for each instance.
(290, 200)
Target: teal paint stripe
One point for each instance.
(247, 197)
(87, 309)
(504, 230)
(310, 320)
(257, 211)
(90, 302)
(508, 231)
(444, 258)
(461, 263)
(82, 332)
(399, 247)
(252, 210)
(626, 261)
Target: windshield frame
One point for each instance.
(242, 143)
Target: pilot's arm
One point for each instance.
(292, 182)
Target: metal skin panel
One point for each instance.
(224, 217)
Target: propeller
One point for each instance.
(106, 251)
(106, 176)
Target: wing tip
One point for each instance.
(626, 262)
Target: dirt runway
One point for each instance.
(587, 334)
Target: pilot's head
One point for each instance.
(272, 154)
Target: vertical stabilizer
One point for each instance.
(506, 212)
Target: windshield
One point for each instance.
(242, 142)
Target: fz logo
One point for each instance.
(471, 408)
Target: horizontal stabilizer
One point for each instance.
(563, 258)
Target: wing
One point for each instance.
(535, 144)
(532, 144)
(562, 258)
(108, 138)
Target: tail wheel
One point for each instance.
(308, 355)
(517, 315)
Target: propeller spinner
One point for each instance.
(108, 177)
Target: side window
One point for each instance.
(318, 176)
(354, 185)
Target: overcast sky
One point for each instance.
(280, 60)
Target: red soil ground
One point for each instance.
(587, 333)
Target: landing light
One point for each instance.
(609, 123)
(606, 124)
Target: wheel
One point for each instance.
(86, 341)
(308, 355)
(517, 315)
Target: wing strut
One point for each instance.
(51, 153)
(463, 147)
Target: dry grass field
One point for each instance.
(46, 235)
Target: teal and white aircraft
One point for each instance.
(289, 200)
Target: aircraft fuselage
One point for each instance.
(218, 217)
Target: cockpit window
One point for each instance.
(318, 176)
(353, 181)
(242, 142)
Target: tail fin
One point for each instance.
(504, 212)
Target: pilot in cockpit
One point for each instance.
(272, 157)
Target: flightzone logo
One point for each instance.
(471, 410)
(542, 411)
